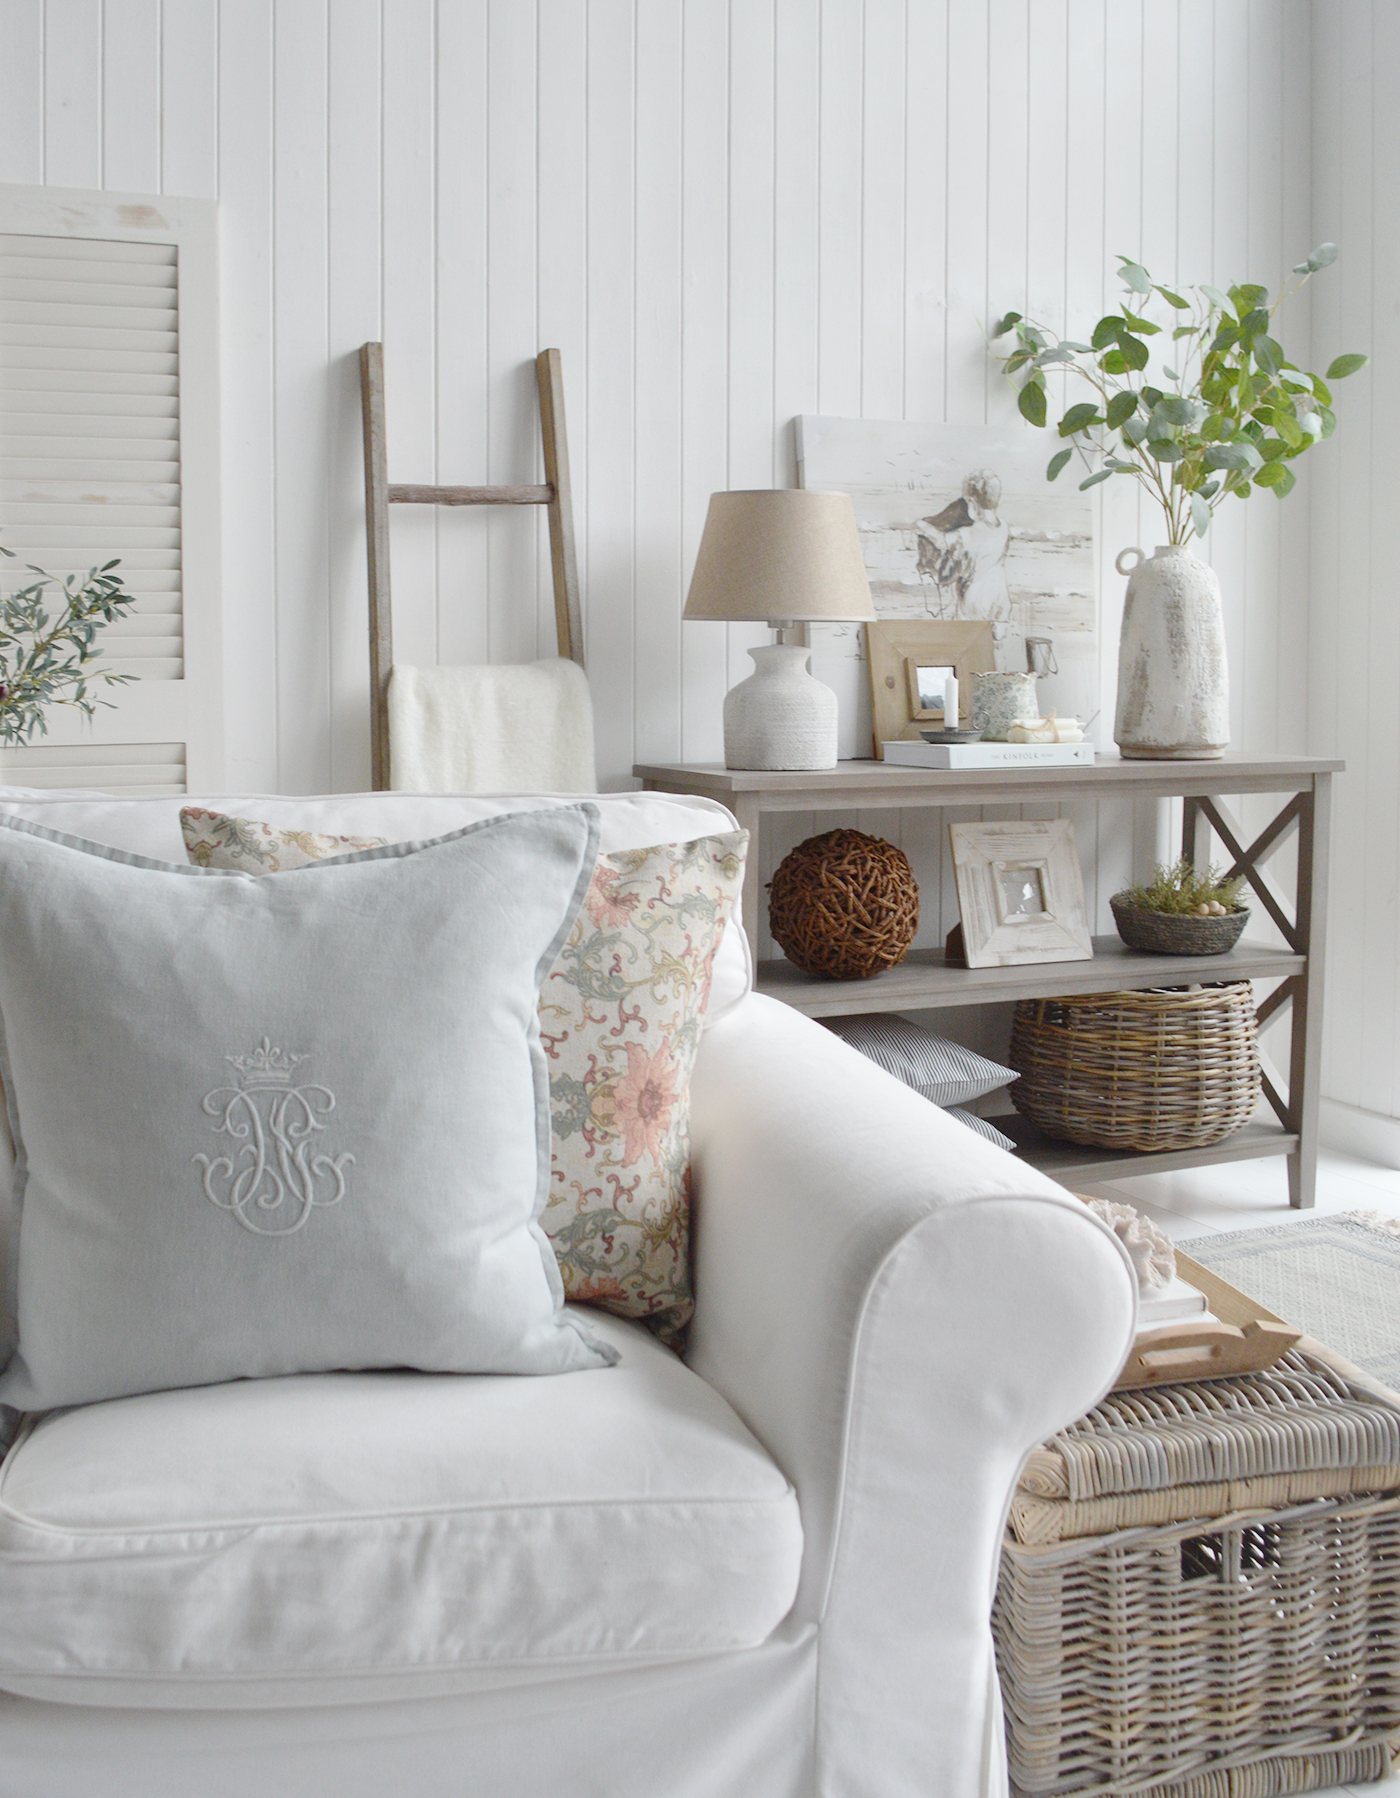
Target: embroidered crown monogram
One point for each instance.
(272, 1181)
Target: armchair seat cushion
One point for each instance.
(262, 1541)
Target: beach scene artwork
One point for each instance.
(959, 522)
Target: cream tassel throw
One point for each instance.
(520, 729)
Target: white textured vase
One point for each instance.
(780, 717)
(1173, 682)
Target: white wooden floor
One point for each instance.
(1239, 1194)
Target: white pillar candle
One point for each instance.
(950, 703)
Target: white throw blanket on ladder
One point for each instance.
(524, 729)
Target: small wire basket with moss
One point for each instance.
(1182, 910)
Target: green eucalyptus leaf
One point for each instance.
(1273, 449)
(1134, 276)
(1210, 489)
(1346, 365)
(1018, 360)
(1174, 299)
(1329, 421)
(1233, 456)
(1079, 418)
(1200, 514)
(1163, 449)
(1114, 363)
(1271, 475)
(1214, 427)
(1254, 323)
(1225, 338)
(1171, 374)
(1220, 301)
(1031, 403)
(1134, 430)
(1320, 389)
(1133, 350)
(1291, 431)
(1144, 326)
(1294, 387)
(1106, 331)
(1322, 257)
(1057, 462)
(1103, 474)
(1184, 331)
(1247, 296)
(1055, 353)
(1268, 354)
(1286, 486)
(1080, 349)
(1120, 409)
(1004, 324)
(1178, 409)
(1152, 396)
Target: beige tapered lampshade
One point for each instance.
(780, 553)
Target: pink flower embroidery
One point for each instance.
(642, 1102)
(605, 905)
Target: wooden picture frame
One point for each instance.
(898, 648)
(1020, 892)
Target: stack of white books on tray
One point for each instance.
(989, 755)
(1172, 1304)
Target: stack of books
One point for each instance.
(989, 755)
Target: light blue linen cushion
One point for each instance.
(278, 1126)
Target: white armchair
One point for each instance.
(602, 1582)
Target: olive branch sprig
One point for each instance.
(1235, 415)
(45, 656)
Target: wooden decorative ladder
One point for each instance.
(380, 494)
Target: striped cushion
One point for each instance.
(983, 1127)
(942, 1071)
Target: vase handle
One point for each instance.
(1118, 563)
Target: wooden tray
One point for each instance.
(1246, 1339)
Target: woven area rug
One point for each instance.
(1337, 1278)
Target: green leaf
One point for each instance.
(1210, 489)
(1200, 514)
(1273, 448)
(1079, 418)
(1184, 331)
(1031, 403)
(1004, 324)
(1133, 350)
(1103, 474)
(1291, 431)
(1143, 325)
(1177, 409)
(1134, 430)
(1018, 360)
(1114, 363)
(1106, 331)
(1254, 323)
(1286, 487)
(1055, 353)
(1080, 349)
(1247, 295)
(1120, 409)
(1134, 276)
(1220, 301)
(1152, 396)
(1320, 389)
(1329, 421)
(1271, 475)
(1163, 449)
(1227, 335)
(1322, 257)
(1214, 427)
(1171, 374)
(1233, 456)
(1056, 463)
(1174, 299)
(1268, 354)
(1346, 365)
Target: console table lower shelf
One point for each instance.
(1064, 1161)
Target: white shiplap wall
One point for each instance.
(724, 213)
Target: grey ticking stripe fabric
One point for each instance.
(944, 1072)
(982, 1126)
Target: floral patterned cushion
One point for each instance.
(620, 1018)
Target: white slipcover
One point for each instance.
(898, 1312)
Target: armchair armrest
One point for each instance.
(900, 1311)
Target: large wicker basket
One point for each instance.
(1235, 1633)
(1173, 1068)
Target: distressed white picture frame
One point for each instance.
(1020, 892)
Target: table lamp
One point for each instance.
(789, 557)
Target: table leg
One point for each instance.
(1305, 1048)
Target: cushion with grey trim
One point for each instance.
(280, 1126)
(982, 1127)
(942, 1071)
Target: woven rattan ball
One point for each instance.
(844, 904)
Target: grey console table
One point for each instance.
(924, 981)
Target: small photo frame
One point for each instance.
(1020, 892)
(910, 659)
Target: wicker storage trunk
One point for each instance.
(1236, 1632)
(1171, 1068)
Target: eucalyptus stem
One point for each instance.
(45, 659)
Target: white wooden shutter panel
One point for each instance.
(108, 448)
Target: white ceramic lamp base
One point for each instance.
(781, 717)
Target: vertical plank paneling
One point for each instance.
(968, 75)
(463, 349)
(189, 98)
(354, 204)
(704, 346)
(300, 131)
(246, 190)
(925, 208)
(512, 335)
(610, 445)
(72, 63)
(131, 53)
(22, 94)
(883, 330)
(659, 420)
(839, 203)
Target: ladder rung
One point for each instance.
(470, 496)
